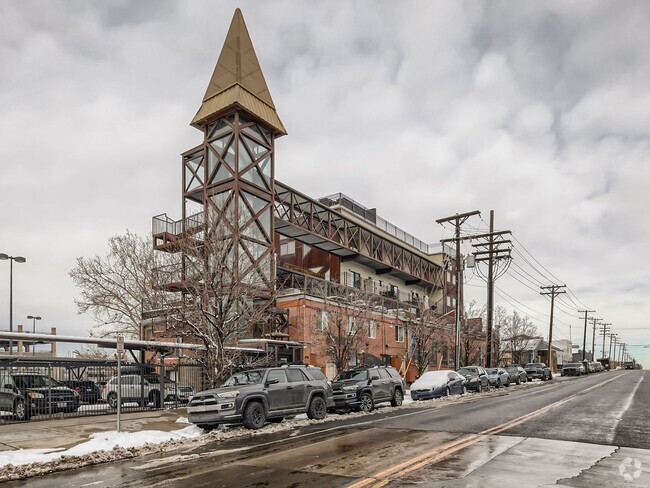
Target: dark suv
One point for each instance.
(256, 395)
(361, 388)
(43, 394)
(12, 399)
(88, 391)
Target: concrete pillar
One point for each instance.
(53, 344)
(20, 343)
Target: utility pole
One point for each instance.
(553, 291)
(611, 338)
(492, 254)
(594, 321)
(605, 327)
(458, 220)
(584, 335)
(616, 342)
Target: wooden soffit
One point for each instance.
(238, 79)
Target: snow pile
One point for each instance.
(101, 441)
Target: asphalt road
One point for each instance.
(588, 431)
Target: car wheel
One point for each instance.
(254, 416)
(397, 399)
(317, 409)
(480, 388)
(550, 376)
(464, 390)
(366, 403)
(498, 385)
(154, 397)
(519, 381)
(112, 400)
(21, 412)
(508, 384)
(276, 420)
(447, 392)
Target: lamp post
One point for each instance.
(18, 259)
(34, 319)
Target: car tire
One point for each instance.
(21, 411)
(317, 409)
(480, 388)
(366, 403)
(254, 416)
(508, 384)
(447, 392)
(519, 381)
(550, 376)
(111, 399)
(398, 398)
(498, 384)
(464, 391)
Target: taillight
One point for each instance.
(77, 389)
(104, 387)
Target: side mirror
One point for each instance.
(273, 381)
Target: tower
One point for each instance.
(228, 180)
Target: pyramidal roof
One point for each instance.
(238, 80)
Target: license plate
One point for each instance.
(61, 405)
(200, 408)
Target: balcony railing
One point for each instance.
(163, 224)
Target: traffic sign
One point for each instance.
(120, 345)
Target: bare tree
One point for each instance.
(472, 337)
(115, 288)
(423, 326)
(343, 324)
(517, 331)
(224, 292)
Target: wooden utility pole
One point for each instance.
(553, 291)
(611, 339)
(605, 327)
(584, 337)
(458, 220)
(492, 254)
(594, 321)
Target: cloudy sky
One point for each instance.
(537, 110)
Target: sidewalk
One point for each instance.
(66, 433)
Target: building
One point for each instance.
(316, 261)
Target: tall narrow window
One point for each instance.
(399, 333)
(372, 329)
(350, 324)
(322, 319)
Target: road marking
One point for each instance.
(384, 477)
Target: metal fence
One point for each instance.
(63, 388)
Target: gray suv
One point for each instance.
(256, 395)
(361, 388)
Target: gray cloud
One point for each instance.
(539, 111)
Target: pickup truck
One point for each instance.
(538, 370)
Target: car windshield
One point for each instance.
(36, 382)
(466, 371)
(534, 365)
(436, 376)
(573, 365)
(358, 374)
(154, 379)
(492, 370)
(245, 378)
(512, 368)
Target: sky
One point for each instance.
(539, 111)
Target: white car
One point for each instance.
(145, 390)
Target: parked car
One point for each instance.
(596, 366)
(572, 369)
(476, 378)
(435, 384)
(254, 396)
(43, 394)
(88, 391)
(362, 388)
(538, 371)
(517, 374)
(144, 390)
(498, 377)
(12, 399)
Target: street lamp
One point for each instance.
(34, 319)
(18, 259)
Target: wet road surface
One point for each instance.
(588, 431)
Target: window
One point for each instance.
(322, 319)
(287, 248)
(296, 375)
(350, 324)
(372, 329)
(399, 333)
(449, 301)
(356, 280)
(279, 374)
(394, 291)
(383, 374)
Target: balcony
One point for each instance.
(167, 233)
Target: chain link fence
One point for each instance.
(35, 389)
